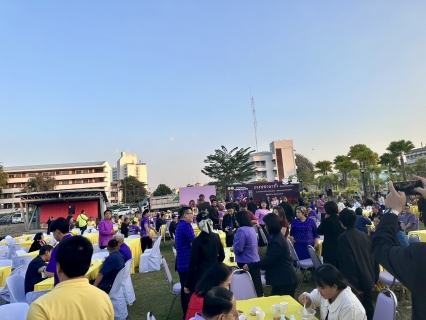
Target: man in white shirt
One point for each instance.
(356, 204)
(340, 204)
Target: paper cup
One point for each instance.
(260, 315)
(284, 307)
(275, 309)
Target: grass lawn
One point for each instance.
(152, 292)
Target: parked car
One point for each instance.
(123, 210)
(134, 210)
(6, 220)
(18, 218)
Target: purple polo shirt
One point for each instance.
(144, 222)
(105, 227)
(51, 266)
(126, 252)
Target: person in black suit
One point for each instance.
(288, 209)
(229, 224)
(331, 228)
(278, 265)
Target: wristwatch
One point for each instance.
(389, 210)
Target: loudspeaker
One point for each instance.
(71, 210)
(329, 193)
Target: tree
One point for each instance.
(3, 179)
(162, 190)
(324, 167)
(363, 154)
(345, 165)
(398, 149)
(305, 169)
(389, 160)
(227, 167)
(418, 168)
(133, 190)
(40, 183)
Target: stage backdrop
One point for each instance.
(259, 191)
(192, 193)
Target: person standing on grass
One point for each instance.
(320, 205)
(146, 237)
(183, 240)
(106, 230)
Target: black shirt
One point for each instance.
(203, 206)
(288, 209)
(125, 230)
(159, 223)
(172, 228)
(331, 229)
(252, 206)
(32, 277)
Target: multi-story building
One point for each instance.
(68, 176)
(415, 154)
(277, 163)
(128, 165)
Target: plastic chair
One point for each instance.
(315, 259)
(16, 285)
(100, 255)
(20, 270)
(150, 260)
(388, 279)
(23, 261)
(14, 311)
(304, 264)
(96, 248)
(386, 305)
(174, 288)
(20, 252)
(242, 285)
(413, 238)
(135, 236)
(4, 252)
(34, 295)
(150, 316)
(6, 263)
(117, 297)
(129, 292)
(174, 251)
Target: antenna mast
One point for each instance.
(253, 109)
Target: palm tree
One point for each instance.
(345, 165)
(324, 167)
(389, 160)
(399, 149)
(363, 154)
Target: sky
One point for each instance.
(171, 80)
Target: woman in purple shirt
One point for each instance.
(106, 230)
(303, 232)
(245, 248)
(260, 213)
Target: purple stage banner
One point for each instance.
(259, 191)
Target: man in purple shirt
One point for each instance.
(60, 229)
(320, 205)
(122, 247)
(106, 230)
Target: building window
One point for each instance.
(260, 163)
(78, 181)
(64, 172)
(85, 180)
(65, 182)
(31, 175)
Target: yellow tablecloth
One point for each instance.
(421, 233)
(92, 237)
(28, 243)
(135, 246)
(31, 254)
(266, 303)
(91, 274)
(229, 254)
(4, 274)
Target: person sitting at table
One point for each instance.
(173, 226)
(361, 221)
(38, 242)
(303, 232)
(333, 296)
(73, 297)
(123, 248)
(219, 303)
(134, 229)
(409, 219)
(70, 220)
(376, 222)
(229, 225)
(206, 249)
(331, 228)
(60, 229)
(110, 268)
(278, 264)
(36, 267)
(219, 274)
(160, 221)
(91, 222)
(245, 248)
(125, 227)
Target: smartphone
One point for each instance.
(408, 186)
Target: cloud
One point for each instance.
(172, 139)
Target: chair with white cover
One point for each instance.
(304, 264)
(128, 291)
(315, 259)
(174, 251)
(5, 293)
(386, 305)
(117, 297)
(150, 260)
(135, 236)
(6, 263)
(78, 230)
(413, 238)
(96, 248)
(4, 252)
(150, 316)
(100, 255)
(14, 311)
(174, 288)
(242, 285)
(94, 231)
(20, 270)
(21, 240)
(23, 261)
(32, 237)
(34, 295)
(16, 285)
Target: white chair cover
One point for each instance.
(135, 236)
(96, 248)
(16, 285)
(4, 252)
(117, 297)
(20, 253)
(14, 311)
(23, 261)
(5, 263)
(5, 293)
(94, 231)
(150, 260)
(129, 292)
(34, 295)
(100, 255)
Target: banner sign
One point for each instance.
(259, 191)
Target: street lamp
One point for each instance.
(362, 169)
(301, 186)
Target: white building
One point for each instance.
(68, 176)
(128, 165)
(276, 164)
(415, 154)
